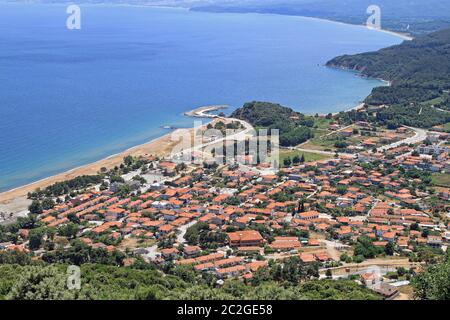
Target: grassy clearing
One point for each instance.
(309, 156)
(434, 101)
(447, 127)
(441, 179)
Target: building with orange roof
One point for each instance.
(245, 238)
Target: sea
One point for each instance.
(69, 97)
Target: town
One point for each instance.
(369, 206)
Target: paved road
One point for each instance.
(420, 135)
(183, 229)
(372, 264)
(336, 131)
(326, 153)
(439, 109)
(241, 135)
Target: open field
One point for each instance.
(447, 127)
(309, 156)
(441, 179)
(134, 243)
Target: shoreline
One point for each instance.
(398, 34)
(159, 146)
(390, 32)
(205, 111)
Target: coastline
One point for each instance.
(393, 33)
(160, 146)
(390, 32)
(205, 111)
(157, 147)
(187, 8)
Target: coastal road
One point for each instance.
(241, 135)
(420, 135)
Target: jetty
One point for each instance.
(205, 111)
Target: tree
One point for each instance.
(389, 249)
(41, 283)
(181, 167)
(365, 248)
(341, 144)
(329, 274)
(14, 257)
(415, 226)
(69, 230)
(287, 162)
(192, 235)
(35, 207)
(341, 189)
(73, 218)
(433, 283)
(48, 204)
(35, 238)
(128, 160)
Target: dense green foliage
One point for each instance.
(199, 234)
(294, 127)
(434, 282)
(79, 253)
(419, 69)
(108, 282)
(65, 187)
(397, 115)
(365, 248)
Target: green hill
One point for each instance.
(419, 72)
(294, 127)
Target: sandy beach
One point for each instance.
(15, 200)
(157, 147)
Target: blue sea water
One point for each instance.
(70, 97)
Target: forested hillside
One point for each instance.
(40, 281)
(294, 127)
(419, 71)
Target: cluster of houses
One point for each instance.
(266, 216)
